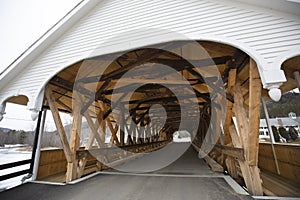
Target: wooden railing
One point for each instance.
(53, 161)
(287, 183)
(288, 157)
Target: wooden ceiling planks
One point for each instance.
(102, 87)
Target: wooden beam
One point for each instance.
(250, 172)
(140, 132)
(252, 178)
(241, 118)
(230, 162)
(101, 121)
(75, 137)
(125, 81)
(64, 105)
(239, 61)
(83, 160)
(113, 131)
(212, 86)
(129, 132)
(98, 95)
(144, 57)
(216, 167)
(279, 186)
(231, 151)
(155, 99)
(94, 127)
(122, 127)
(182, 64)
(58, 123)
(228, 118)
(120, 71)
(254, 112)
(111, 108)
(69, 86)
(236, 140)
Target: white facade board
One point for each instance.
(269, 37)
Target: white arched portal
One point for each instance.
(17, 94)
(271, 75)
(265, 69)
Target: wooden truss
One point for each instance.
(91, 97)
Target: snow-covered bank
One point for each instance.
(9, 155)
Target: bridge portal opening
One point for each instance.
(136, 102)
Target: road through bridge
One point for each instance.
(187, 178)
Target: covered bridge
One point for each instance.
(142, 70)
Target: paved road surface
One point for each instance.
(188, 178)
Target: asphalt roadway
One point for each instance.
(187, 178)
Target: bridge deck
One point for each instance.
(187, 178)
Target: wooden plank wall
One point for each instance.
(52, 162)
(288, 160)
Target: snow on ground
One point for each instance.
(9, 155)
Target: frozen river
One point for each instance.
(9, 155)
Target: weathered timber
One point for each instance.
(113, 131)
(119, 72)
(181, 64)
(250, 172)
(74, 138)
(254, 112)
(115, 150)
(216, 167)
(239, 60)
(98, 95)
(94, 131)
(228, 118)
(69, 86)
(231, 151)
(58, 123)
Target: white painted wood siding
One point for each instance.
(264, 35)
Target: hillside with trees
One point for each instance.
(289, 102)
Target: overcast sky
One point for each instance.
(22, 22)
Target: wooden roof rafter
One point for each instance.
(153, 91)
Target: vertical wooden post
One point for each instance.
(102, 123)
(147, 133)
(254, 112)
(140, 134)
(75, 137)
(122, 127)
(247, 126)
(134, 136)
(228, 119)
(229, 161)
